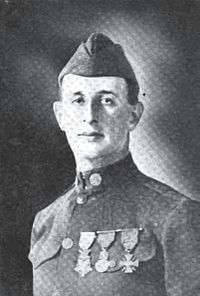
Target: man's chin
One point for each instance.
(92, 154)
(92, 151)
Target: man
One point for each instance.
(115, 231)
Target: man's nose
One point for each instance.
(91, 113)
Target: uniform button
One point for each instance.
(67, 243)
(95, 179)
(81, 199)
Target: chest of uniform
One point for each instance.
(98, 253)
(98, 267)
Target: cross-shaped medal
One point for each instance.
(128, 266)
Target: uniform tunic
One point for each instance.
(118, 197)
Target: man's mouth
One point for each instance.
(91, 134)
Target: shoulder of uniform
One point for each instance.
(166, 205)
(163, 188)
(49, 228)
(162, 193)
(46, 218)
(54, 207)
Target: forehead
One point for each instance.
(74, 83)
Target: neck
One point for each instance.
(84, 164)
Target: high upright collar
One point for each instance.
(97, 179)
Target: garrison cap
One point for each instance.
(98, 57)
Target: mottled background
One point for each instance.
(161, 39)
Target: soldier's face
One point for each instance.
(95, 114)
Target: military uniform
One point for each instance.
(117, 232)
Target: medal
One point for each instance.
(129, 264)
(129, 239)
(83, 265)
(104, 239)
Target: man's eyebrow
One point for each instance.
(78, 93)
(107, 92)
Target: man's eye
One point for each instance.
(78, 100)
(107, 101)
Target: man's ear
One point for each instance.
(58, 111)
(136, 113)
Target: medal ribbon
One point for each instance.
(129, 238)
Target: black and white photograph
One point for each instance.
(99, 148)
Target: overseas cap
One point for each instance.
(99, 56)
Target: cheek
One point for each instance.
(117, 126)
(69, 127)
(69, 120)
